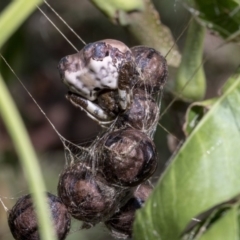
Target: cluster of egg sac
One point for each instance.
(110, 181)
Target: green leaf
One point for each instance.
(216, 223)
(204, 173)
(225, 228)
(195, 113)
(222, 16)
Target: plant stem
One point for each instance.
(190, 80)
(28, 158)
(10, 20)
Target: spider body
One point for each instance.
(99, 66)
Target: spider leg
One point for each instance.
(124, 92)
(92, 109)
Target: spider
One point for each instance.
(102, 68)
(103, 78)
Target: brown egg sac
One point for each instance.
(152, 68)
(129, 157)
(121, 223)
(87, 194)
(143, 113)
(22, 219)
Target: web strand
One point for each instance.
(191, 78)
(63, 140)
(159, 124)
(4, 206)
(57, 28)
(179, 37)
(54, 11)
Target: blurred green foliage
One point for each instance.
(220, 16)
